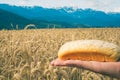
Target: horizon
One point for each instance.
(57, 8)
(62, 17)
(112, 5)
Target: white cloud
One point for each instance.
(104, 5)
(116, 9)
(22, 2)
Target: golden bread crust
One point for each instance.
(109, 51)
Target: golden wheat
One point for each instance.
(26, 54)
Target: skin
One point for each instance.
(107, 68)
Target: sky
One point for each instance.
(103, 5)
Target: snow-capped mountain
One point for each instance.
(68, 15)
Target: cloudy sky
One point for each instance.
(103, 5)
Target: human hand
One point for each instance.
(109, 68)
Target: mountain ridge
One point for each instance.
(9, 20)
(67, 15)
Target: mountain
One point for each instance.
(9, 20)
(66, 16)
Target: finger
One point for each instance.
(53, 62)
(58, 62)
(73, 63)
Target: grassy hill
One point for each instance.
(26, 54)
(9, 20)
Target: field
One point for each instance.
(26, 54)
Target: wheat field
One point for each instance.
(26, 54)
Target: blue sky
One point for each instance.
(103, 5)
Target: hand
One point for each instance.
(109, 68)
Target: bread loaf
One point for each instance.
(89, 50)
